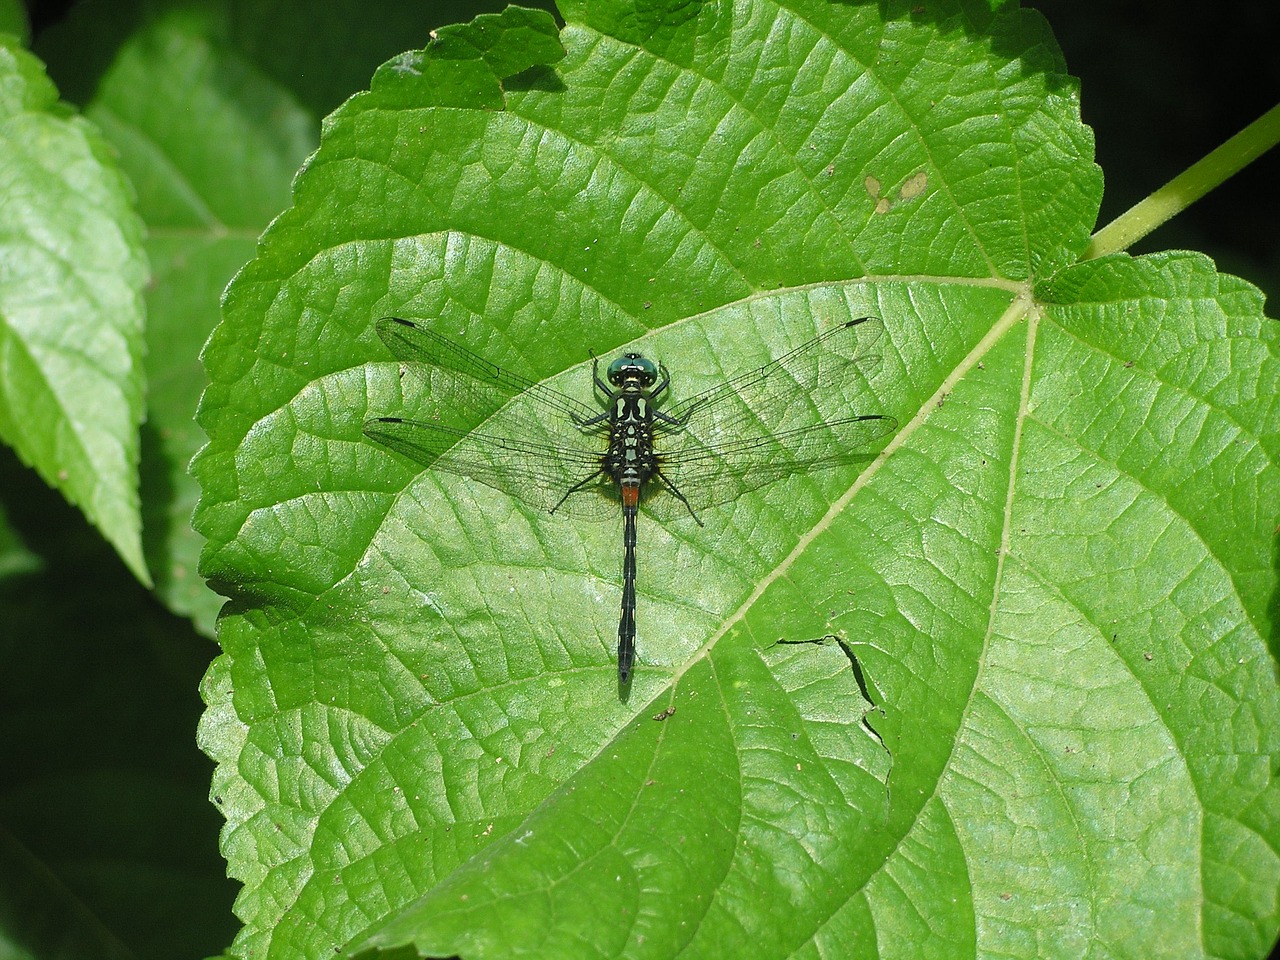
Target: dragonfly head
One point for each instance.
(633, 368)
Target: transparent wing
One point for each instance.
(494, 426)
(528, 441)
(788, 417)
(795, 390)
(537, 472)
(414, 344)
(709, 475)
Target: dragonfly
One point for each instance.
(634, 447)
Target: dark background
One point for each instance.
(1163, 84)
(1160, 89)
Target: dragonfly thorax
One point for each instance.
(630, 459)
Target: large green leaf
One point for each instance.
(71, 378)
(210, 146)
(1054, 589)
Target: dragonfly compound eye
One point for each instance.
(633, 367)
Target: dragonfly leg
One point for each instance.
(661, 388)
(595, 375)
(574, 489)
(675, 492)
(666, 420)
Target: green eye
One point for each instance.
(633, 366)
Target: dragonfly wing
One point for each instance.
(708, 474)
(412, 343)
(494, 426)
(799, 388)
(529, 470)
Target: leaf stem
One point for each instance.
(1188, 187)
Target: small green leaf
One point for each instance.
(467, 64)
(13, 20)
(1025, 705)
(15, 557)
(211, 146)
(71, 381)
